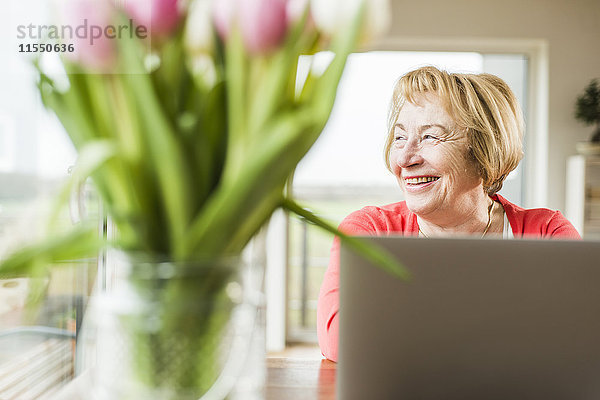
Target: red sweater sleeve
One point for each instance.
(537, 222)
(329, 295)
(560, 227)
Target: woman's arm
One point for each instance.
(328, 305)
(560, 227)
(357, 223)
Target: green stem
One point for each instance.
(372, 252)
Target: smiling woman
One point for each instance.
(430, 159)
(452, 141)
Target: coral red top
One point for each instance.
(396, 218)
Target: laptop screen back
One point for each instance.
(480, 319)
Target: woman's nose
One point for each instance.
(409, 155)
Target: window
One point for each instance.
(36, 349)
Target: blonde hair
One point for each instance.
(482, 105)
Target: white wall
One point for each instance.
(570, 28)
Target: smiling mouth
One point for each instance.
(421, 180)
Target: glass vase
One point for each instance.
(180, 331)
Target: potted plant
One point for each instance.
(587, 110)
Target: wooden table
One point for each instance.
(287, 378)
(300, 379)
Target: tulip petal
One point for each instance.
(263, 24)
(87, 21)
(223, 13)
(160, 17)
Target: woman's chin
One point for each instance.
(420, 206)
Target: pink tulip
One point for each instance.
(88, 20)
(262, 23)
(223, 13)
(160, 17)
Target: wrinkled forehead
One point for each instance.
(425, 109)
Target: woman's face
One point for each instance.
(430, 158)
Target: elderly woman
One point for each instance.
(452, 140)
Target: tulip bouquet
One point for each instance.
(190, 128)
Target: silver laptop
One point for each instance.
(480, 319)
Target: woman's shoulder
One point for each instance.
(537, 222)
(390, 218)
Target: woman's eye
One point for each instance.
(430, 137)
(398, 138)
